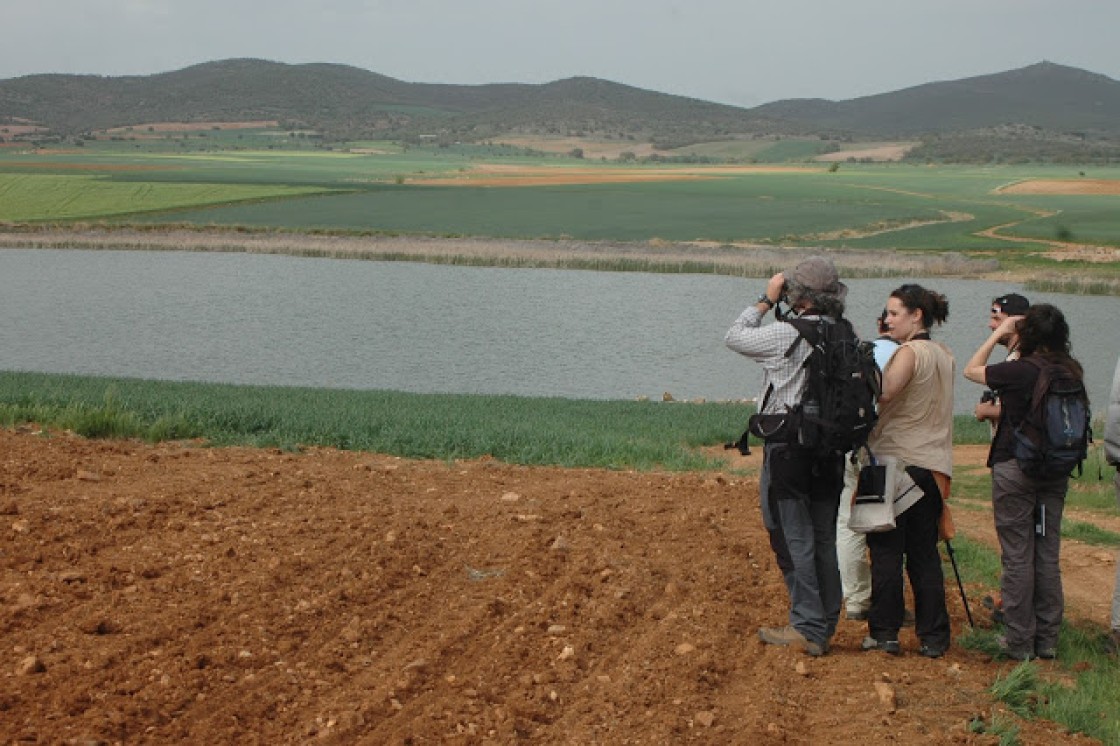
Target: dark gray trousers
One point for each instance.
(800, 499)
(1031, 584)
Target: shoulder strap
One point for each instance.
(807, 330)
(766, 397)
(1040, 383)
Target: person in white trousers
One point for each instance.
(851, 547)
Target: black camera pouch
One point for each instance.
(872, 484)
(772, 428)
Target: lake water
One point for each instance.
(258, 319)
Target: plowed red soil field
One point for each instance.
(181, 594)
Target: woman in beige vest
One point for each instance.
(916, 428)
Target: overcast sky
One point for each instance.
(743, 52)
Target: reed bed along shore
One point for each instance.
(647, 256)
(1075, 285)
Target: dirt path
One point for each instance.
(1058, 250)
(1088, 572)
(176, 594)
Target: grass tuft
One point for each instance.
(1020, 690)
(1087, 533)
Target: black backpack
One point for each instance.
(1053, 438)
(838, 410)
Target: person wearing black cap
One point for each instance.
(1009, 304)
(990, 408)
(800, 494)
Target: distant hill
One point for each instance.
(1042, 102)
(1045, 96)
(345, 101)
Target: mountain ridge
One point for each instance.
(343, 101)
(1045, 94)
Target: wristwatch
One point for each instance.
(764, 298)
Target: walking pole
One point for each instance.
(960, 585)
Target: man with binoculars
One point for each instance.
(1011, 304)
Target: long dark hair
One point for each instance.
(934, 306)
(1043, 331)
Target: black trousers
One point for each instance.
(913, 544)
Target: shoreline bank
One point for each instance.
(647, 256)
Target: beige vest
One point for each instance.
(917, 425)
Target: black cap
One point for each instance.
(1012, 304)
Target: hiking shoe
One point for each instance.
(995, 606)
(1012, 653)
(1046, 654)
(789, 636)
(887, 646)
(1112, 643)
(856, 615)
(931, 651)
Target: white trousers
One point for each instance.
(851, 552)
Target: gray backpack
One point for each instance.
(1053, 439)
